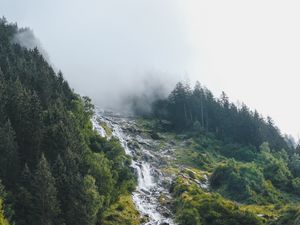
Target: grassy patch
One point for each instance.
(122, 212)
(146, 124)
(193, 158)
(171, 170)
(107, 130)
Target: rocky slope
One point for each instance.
(149, 159)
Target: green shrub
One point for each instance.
(239, 152)
(290, 217)
(296, 186)
(243, 183)
(196, 207)
(275, 169)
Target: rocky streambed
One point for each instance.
(151, 197)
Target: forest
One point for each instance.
(198, 109)
(55, 169)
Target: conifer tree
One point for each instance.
(84, 201)
(9, 159)
(24, 204)
(45, 203)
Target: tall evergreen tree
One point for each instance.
(9, 159)
(45, 203)
(85, 201)
(24, 203)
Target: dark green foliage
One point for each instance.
(290, 217)
(44, 195)
(24, 198)
(70, 174)
(294, 165)
(9, 159)
(239, 152)
(198, 110)
(87, 200)
(189, 217)
(296, 186)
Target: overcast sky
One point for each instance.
(249, 49)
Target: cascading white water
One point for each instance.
(148, 190)
(97, 127)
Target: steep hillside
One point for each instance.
(54, 168)
(192, 178)
(253, 174)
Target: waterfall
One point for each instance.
(149, 187)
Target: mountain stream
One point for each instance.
(153, 184)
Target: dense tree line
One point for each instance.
(197, 109)
(54, 167)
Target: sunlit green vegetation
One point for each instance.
(193, 206)
(244, 183)
(122, 212)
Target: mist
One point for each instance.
(25, 37)
(108, 49)
(140, 90)
(117, 89)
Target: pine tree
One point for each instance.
(3, 98)
(179, 106)
(61, 180)
(9, 159)
(24, 204)
(45, 203)
(198, 103)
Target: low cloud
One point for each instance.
(26, 38)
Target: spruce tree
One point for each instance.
(61, 180)
(9, 159)
(24, 204)
(45, 203)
